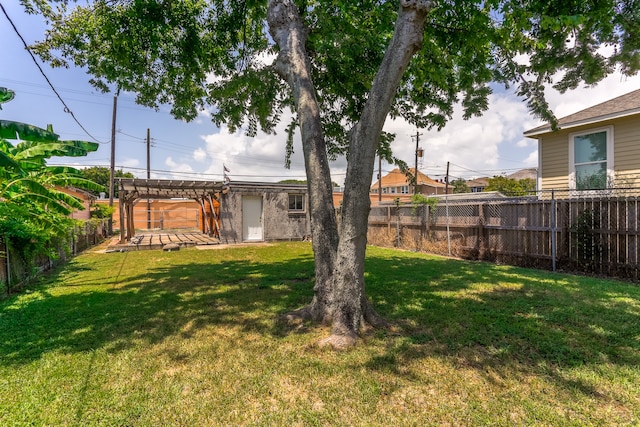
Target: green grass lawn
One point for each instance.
(191, 338)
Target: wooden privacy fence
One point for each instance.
(598, 235)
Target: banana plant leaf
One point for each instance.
(67, 199)
(24, 131)
(6, 95)
(33, 149)
(75, 181)
(23, 185)
(7, 162)
(66, 170)
(47, 202)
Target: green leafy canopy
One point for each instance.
(202, 54)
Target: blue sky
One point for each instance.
(486, 146)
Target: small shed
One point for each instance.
(258, 211)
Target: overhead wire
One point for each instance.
(66, 107)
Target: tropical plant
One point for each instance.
(25, 174)
(34, 209)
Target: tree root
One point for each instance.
(341, 338)
(301, 315)
(372, 318)
(338, 342)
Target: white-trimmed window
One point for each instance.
(296, 202)
(591, 159)
(404, 189)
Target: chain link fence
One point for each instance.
(594, 232)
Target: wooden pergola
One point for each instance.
(131, 190)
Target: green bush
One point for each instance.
(102, 211)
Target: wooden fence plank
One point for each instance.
(596, 234)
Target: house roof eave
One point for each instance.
(620, 105)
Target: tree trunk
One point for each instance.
(286, 28)
(351, 306)
(340, 290)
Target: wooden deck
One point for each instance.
(157, 240)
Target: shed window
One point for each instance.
(296, 202)
(591, 159)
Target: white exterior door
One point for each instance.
(252, 218)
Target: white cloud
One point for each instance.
(253, 158)
(474, 144)
(199, 155)
(129, 162)
(178, 170)
(482, 146)
(573, 101)
(532, 159)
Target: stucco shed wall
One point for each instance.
(277, 222)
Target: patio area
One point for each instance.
(150, 239)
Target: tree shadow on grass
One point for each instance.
(150, 307)
(477, 315)
(497, 318)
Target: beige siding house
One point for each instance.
(594, 149)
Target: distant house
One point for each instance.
(398, 185)
(477, 185)
(593, 149)
(84, 196)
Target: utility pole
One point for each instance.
(113, 158)
(415, 174)
(148, 176)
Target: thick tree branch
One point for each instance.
(288, 31)
(351, 306)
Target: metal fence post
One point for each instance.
(553, 231)
(446, 203)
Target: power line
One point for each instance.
(186, 173)
(136, 138)
(26, 46)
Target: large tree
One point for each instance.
(342, 67)
(102, 175)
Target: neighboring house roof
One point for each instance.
(396, 178)
(622, 106)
